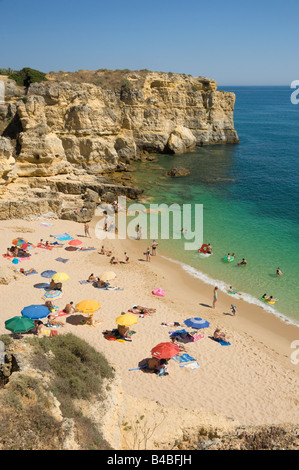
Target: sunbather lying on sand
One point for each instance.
(176, 323)
(92, 278)
(139, 309)
(28, 271)
(175, 341)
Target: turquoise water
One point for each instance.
(250, 197)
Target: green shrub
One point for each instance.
(26, 76)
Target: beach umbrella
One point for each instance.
(71, 248)
(88, 306)
(25, 246)
(19, 241)
(35, 311)
(107, 276)
(196, 323)
(60, 277)
(165, 350)
(48, 273)
(19, 324)
(126, 320)
(52, 295)
(75, 242)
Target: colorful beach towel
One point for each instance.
(186, 361)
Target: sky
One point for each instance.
(234, 42)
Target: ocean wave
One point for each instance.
(222, 286)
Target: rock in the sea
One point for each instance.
(181, 140)
(178, 172)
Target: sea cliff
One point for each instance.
(60, 139)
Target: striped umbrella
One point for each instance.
(196, 323)
(19, 241)
(52, 295)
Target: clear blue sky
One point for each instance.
(235, 42)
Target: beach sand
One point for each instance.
(250, 382)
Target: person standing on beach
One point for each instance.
(148, 254)
(86, 230)
(215, 296)
(154, 248)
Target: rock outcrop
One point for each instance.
(60, 129)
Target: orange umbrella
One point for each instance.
(165, 350)
(75, 242)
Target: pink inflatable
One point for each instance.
(159, 292)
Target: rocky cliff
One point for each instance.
(61, 137)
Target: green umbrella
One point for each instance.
(19, 324)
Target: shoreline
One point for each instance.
(250, 382)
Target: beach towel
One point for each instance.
(85, 249)
(62, 260)
(63, 237)
(186, 361)
(45, 224)
(222, 342)
(84, 282)
(44, 247)
(27, 274)
(113, 335)
(109, 288)
(185, 337)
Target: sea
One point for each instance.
(249, 193)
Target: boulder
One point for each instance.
(178, 172)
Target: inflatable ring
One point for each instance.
(229, 260)
(203, 248)
(268, 302)
(159, 292)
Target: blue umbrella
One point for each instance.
(48, 274)
(196, 323)
(35, 311)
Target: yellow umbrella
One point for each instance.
(60, 277)
(88, 306)
(126, 320)
(107, 276)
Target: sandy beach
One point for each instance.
(250, 382)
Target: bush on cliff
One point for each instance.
(24, 77)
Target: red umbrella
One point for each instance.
(75, 242)
(165, 350)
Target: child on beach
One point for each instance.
(162, 368)
(215, 296)
(233, 309)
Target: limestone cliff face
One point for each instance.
(62, 128)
